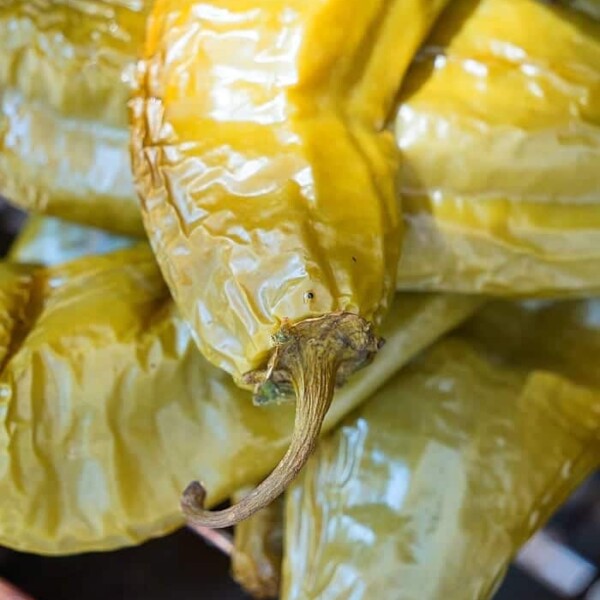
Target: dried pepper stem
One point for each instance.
(313, 357)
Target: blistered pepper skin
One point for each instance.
(265, 173)
(107, 409)
(428, 491)
(65, 79)
(499, 130)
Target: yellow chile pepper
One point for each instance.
(64, 72)
(107, 408)
(428, 491)
(65, 78)
(499, 130)
(267, 183)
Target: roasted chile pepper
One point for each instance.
(267, 184)
(498, 126)
(430, 488)
(107, 408)
(65, 75)
(63, 138)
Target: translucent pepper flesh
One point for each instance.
(51, 241)
(267, 180)
(428, 491)
(107, 408)
(498, 126)
(65, 79)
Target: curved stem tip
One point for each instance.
(313, 356)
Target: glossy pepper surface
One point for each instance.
(107, 408)
(428, 491)
(267, 181)
(65, 78)
(51, 241)
(499, 131)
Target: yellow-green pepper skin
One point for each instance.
(498, 126)
(107, 409)
(428, 491)
(51, 241)
(65, 79)
(266, 175)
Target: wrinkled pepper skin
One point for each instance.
(65, 78)
(107, 409)
(15, 285)
(428, 491)
(267, 181)
(266, 175)
(499, 131)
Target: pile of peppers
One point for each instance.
(340, 267)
